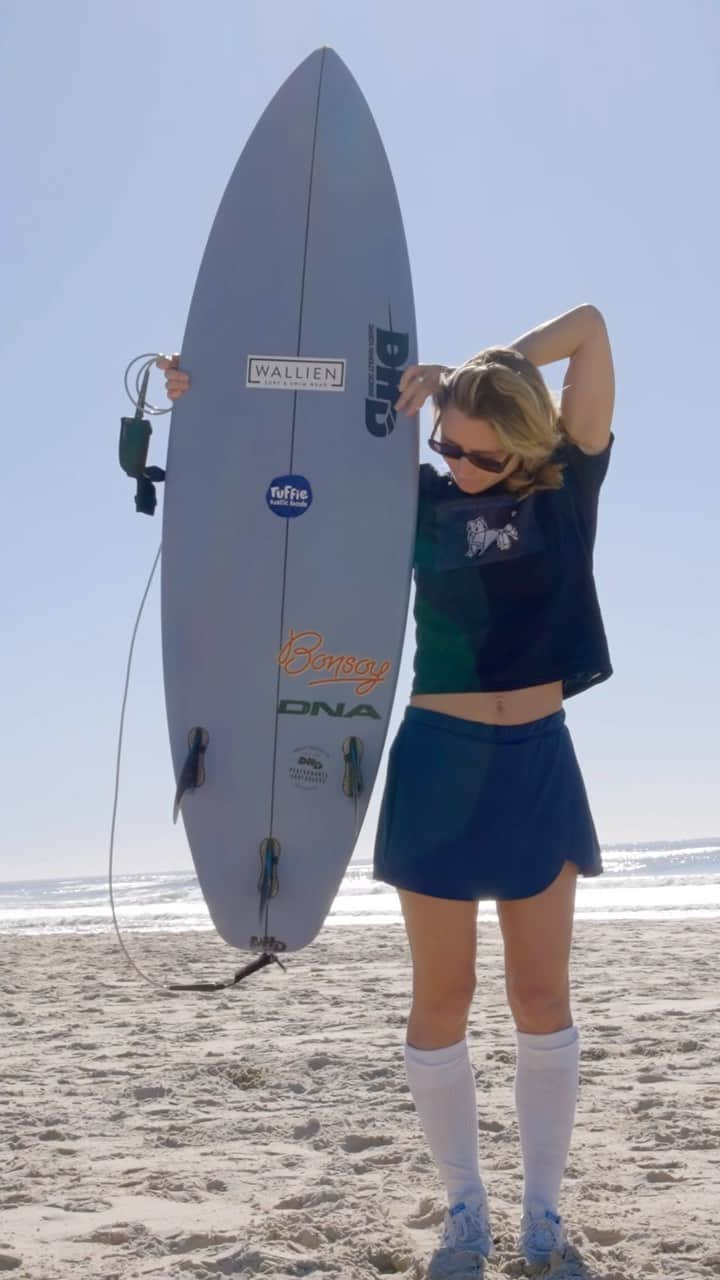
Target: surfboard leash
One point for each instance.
(135, 436)
(134, 441)
(261, 961)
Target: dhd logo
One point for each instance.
(388, 352)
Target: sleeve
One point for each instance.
(585, 473)
(427, 478)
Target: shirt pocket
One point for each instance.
(478, 531)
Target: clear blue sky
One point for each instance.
(545, 155)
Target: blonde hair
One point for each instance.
(504, 387)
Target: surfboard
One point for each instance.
(289, 513)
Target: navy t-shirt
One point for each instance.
(505, 596)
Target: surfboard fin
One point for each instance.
(268, 884)
(353, 783)
(193, 771)
(352, 778)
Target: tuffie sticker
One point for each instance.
(291, 373)
(289, 495)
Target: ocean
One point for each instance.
(652, 881)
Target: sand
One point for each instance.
(268, 1130)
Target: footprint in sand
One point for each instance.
(354, 1142)
(661, 1175)
(596, 1235)
(309, 1198)
(427, 1214)
(307, 1130)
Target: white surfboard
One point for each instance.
(289, 512)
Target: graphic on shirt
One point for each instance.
(480, 536)
(483, 530)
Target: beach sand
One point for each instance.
(268, 1130)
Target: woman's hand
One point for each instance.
(419, 381)
(176, 380)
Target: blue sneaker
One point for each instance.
(542, 1233)
(466, 1242)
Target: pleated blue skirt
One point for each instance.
(482, 811)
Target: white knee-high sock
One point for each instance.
(443, 1088)
(546, 1087)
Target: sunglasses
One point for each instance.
(448, 449)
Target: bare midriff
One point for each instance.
(517, 706)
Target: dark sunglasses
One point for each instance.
(448, 449)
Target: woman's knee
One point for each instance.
(440, 1009)
(537, 1009)
(439, 1020)
(443, 994)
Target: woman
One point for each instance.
(484, 798)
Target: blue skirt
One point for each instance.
(476, 811)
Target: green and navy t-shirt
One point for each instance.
(505, 596)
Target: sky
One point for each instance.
(545, 155)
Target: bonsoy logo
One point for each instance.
(388, 352)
